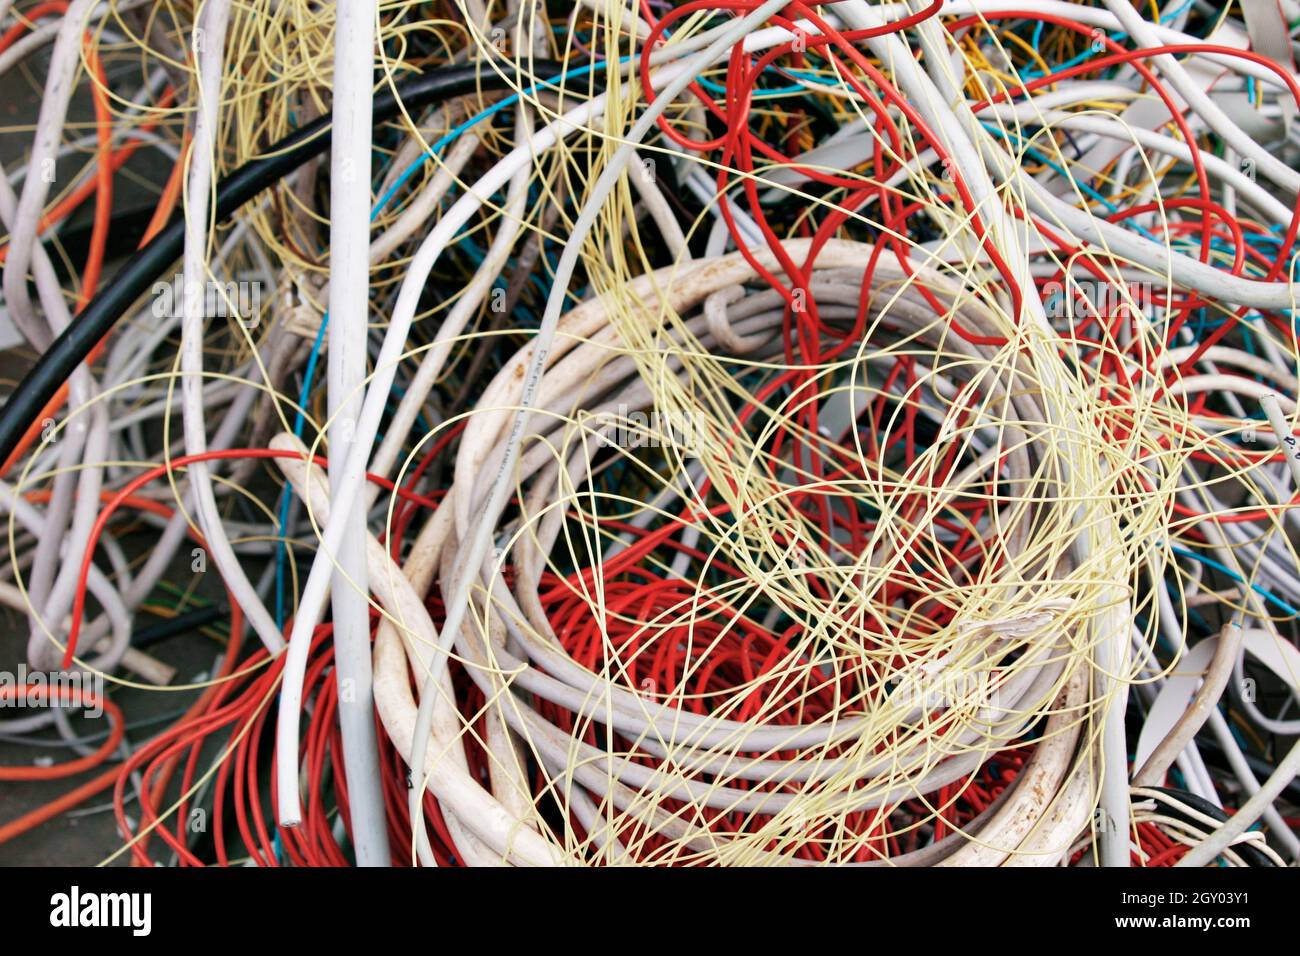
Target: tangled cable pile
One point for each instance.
(720, 432)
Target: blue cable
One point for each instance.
(1165, 18)
(1236, 577)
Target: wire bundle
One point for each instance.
(722, 432)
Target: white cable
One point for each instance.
(349, 304)
(208, 49)
(49, 130)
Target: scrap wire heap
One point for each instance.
(704, 433)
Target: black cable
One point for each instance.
(1250, 855)
(183, 623)
(130, 282)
